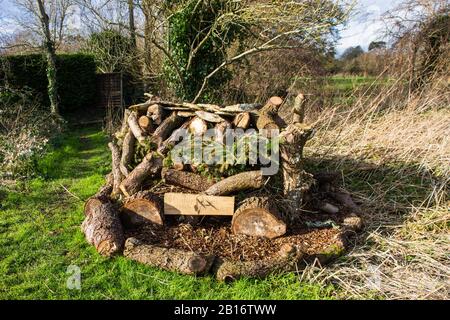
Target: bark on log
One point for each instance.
(103, 229)
(166, 128)
(258, 217)
(186, 179)
(171, 259)
(138, 133)
(127, 153)
(242, 120)
(296, 182)
(236, 183)
(142, 207)
(283, 261)
(149, 167)
(115, 155)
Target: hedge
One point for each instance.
(75, 74)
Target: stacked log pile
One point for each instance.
(141, 161)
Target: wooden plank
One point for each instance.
(197, 205)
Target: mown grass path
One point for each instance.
(40, 238)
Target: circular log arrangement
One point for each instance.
(224, 218)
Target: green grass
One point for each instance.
(40, 238)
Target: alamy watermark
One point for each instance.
(73, 281)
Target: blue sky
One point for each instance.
(363, 27)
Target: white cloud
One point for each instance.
(365, 26)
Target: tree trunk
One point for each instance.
(185, 262)
(295, 180)
(236, 183)
(258, 216)
(185, 179)
(283, 261)
(143, 207)
(149, 167)
(103, 229)
(131, 24)
(51, 59)
(117, 173)
(127, 153)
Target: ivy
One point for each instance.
(192, 22)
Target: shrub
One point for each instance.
(25, 129)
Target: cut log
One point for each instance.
(145, 123)
(185, 179)
(117, 174)
(127, 153)
(176, 260)
(156, 113)
(296, 182)
(142, 207)
(103, 229)
(138, 133)
(197, 205)
(299, 109)
(242, 120)
(285, 260)
(198, 126)
(236, 183)
(166, 127)
(210, 117)
(150, 166)
(258, 217)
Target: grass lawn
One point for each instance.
(40, 238)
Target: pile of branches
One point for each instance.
(142, 163)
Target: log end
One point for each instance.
(143, 207)
(256, 217)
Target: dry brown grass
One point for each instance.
(394, 148)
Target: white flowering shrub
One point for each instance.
(25, 130)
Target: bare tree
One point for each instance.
(50, 53)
